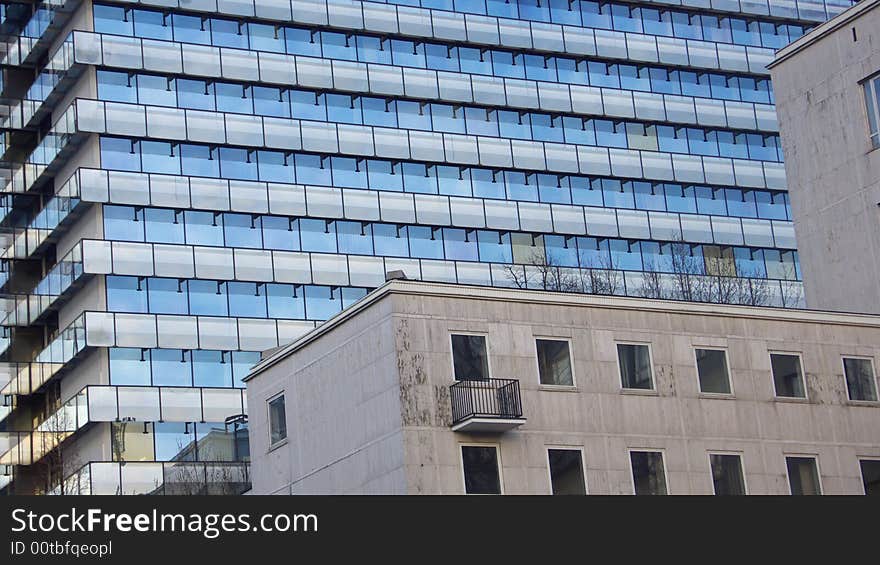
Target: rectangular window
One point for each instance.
(554, 362)
(788, 378)
(870, 475)
(860, 381)
(727, 474)
(480, 466)
(634, 362)
(469, 358)
(277, 420)
(872, 102)
(649, 475)
(712, 371)
(803, 475)
(566, 471)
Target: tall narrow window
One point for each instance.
(870, 475)
(860, 381)
(566, 471)
(469, 358)
(634, 362)
(649, 475)
(727, 474)
(554, 362)
(788, 378)
(872, 102)
(803, 475)
(712, 371)
(480, 465)
(277, 420)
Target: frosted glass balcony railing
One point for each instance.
(34, 33)
(32, 106)
(29, 239)
(53, 144)
(158, 478)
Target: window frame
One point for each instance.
(869, 91)
(452, 351)
(650, 391)
(700, 390)
(498, 465)
(742, 468)
(580, 450)
(800, 356)
(632, 477)
(859, 459)
(269, 402)
(870, 359)
(567, 340)
(815, 458)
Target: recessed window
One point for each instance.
(803, 475)
(649, 476)
(870, 475)
(480, 465)
(872, 102)
(469, 358)
(566, 471)
(860, 381)
(277, 420)
(712, 371)
(554, 362)
(635, 366)
(727, 474)
(788, 378)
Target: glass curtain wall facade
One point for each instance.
(186, 184)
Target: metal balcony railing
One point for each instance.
(486, 405)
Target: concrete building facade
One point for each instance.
(370, 403)
(827, 96)
(186, 183)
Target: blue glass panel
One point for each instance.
(285, 302)
(390, 240)
(246, 300)
(317, 235)
(354, 238)
(129, 366)
(243, 230)
(322, 302)
(460, 245)
(123, 223)
(207, 298)
(167, 296)
(126, 294)
(425, 242)
(278, 233)
(163, 225)
(119, 154)
(212, 368)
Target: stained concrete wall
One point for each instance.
(595, 415)
(343, 415)
(833, 173)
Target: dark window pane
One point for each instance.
(469, 357)
(648, 472)
(277, 420)
(554, 362)
(480, 470)
(787, 377)
(712, 370)
(860, 383)
(803, 475)
(871, 475)
(727, 474)
(635, 366)
(566, 471)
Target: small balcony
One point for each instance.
(488, 406)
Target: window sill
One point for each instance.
(275, 446)
(850, 402)
(791, 399)
(559, 388)
(717, 395)
(639, 392)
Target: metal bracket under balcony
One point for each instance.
(491, 405)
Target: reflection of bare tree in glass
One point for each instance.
(57, 460)
(546, 272)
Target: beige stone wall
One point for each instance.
(595, 415)
(605, 421)
(833, 173)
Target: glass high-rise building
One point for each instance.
(189, 182)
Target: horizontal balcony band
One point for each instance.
(393, 80)
(368, 205)
(328, 12)
(520, 35)
(177, 125)
(26, 448)
(158, 478)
